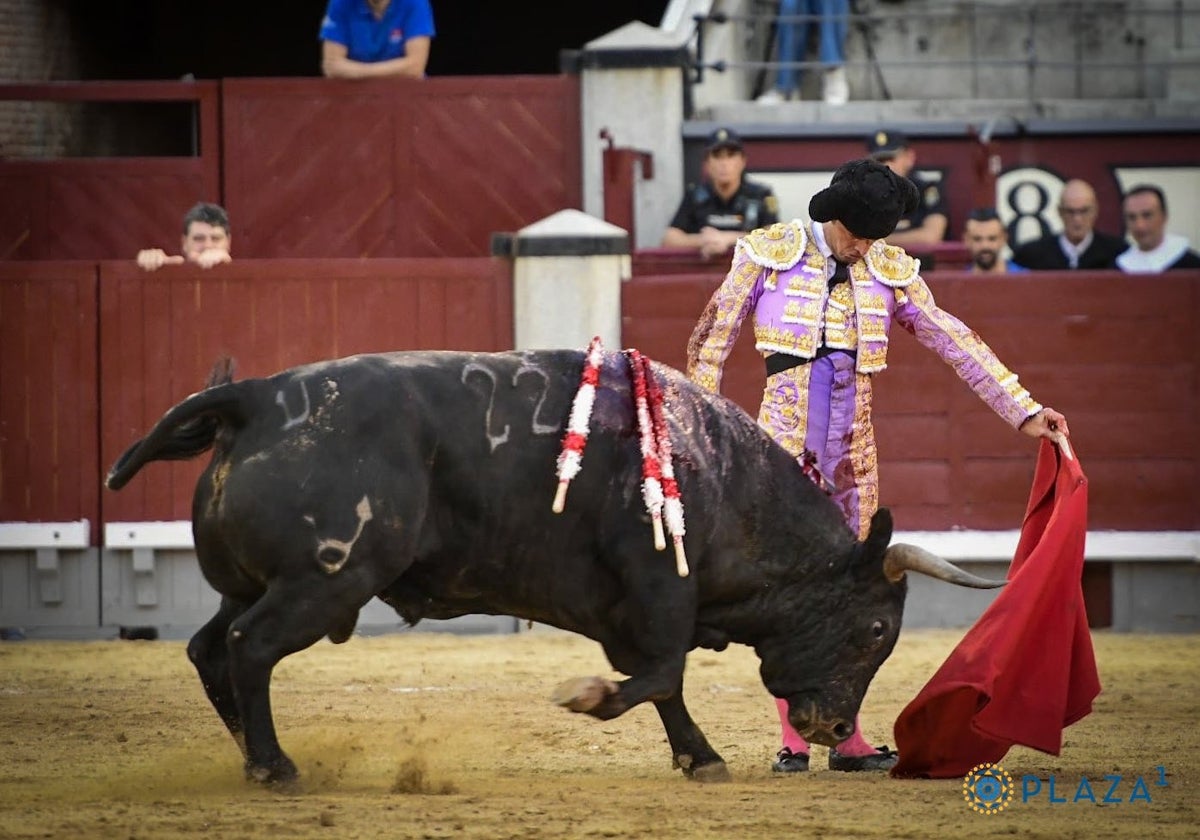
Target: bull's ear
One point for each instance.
(880, 533)
(874, 547)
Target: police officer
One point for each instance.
(925, 226)
(715, 214)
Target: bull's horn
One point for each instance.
(902, 557)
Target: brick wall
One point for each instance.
(36, 44)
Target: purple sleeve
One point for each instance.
(719, 324)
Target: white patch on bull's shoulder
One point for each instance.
(299, 418)
(363, 512)
(331, 390)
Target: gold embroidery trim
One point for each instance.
(891, 265)
(779, 246)
(864, 457)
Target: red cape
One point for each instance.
(1026, 669)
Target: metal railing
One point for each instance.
(1147, 30)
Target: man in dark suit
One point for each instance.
(1079, 245)
(1155, 250)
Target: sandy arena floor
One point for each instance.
(433, 735)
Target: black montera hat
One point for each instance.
(723, 138)
(865, 196)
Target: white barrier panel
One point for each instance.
(1124, 546)
(49, 576)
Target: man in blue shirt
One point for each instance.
(364, 39)
(986, 239)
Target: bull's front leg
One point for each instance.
(594, 696)
(655, 666)
(605, 699)
(648, 633)
(690, 750)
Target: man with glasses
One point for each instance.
(1079, 245)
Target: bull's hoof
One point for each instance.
(282, 774)
(713, 771)
(583, 694)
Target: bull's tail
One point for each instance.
(187, 430)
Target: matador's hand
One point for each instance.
(1046, 423)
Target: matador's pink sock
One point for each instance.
(856, 745)
(853, 747)
(791, 738)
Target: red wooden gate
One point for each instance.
(107, 208)
(160, 334)
(48, 393)
(397, 167)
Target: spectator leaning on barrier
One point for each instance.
(364, 39)
(791, 44)
(925, 226)
(206, 240)
(1145, 210)
(986, 238)
(715, 214)
(1079, 245)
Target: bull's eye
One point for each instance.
(877, 629)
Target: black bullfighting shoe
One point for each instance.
(884, 759)
(789, 762)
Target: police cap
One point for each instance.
(885, 143)
(723, 138)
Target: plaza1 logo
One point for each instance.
(1114, 788)
(989, 789)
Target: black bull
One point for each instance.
(426, 479)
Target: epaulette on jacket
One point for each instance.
(779, 246)
(891, 265)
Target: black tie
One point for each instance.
(841, 273)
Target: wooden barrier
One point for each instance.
(160, 334)
(48, 393)
(107, 208)
(396, 167)
(91, 355)
(311, 167)
(1116, 353)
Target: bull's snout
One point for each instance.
(818, 729)
(829, 734)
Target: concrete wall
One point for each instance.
(958, 49)
(36, 45)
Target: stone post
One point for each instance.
(567, 274)
(632, 85)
